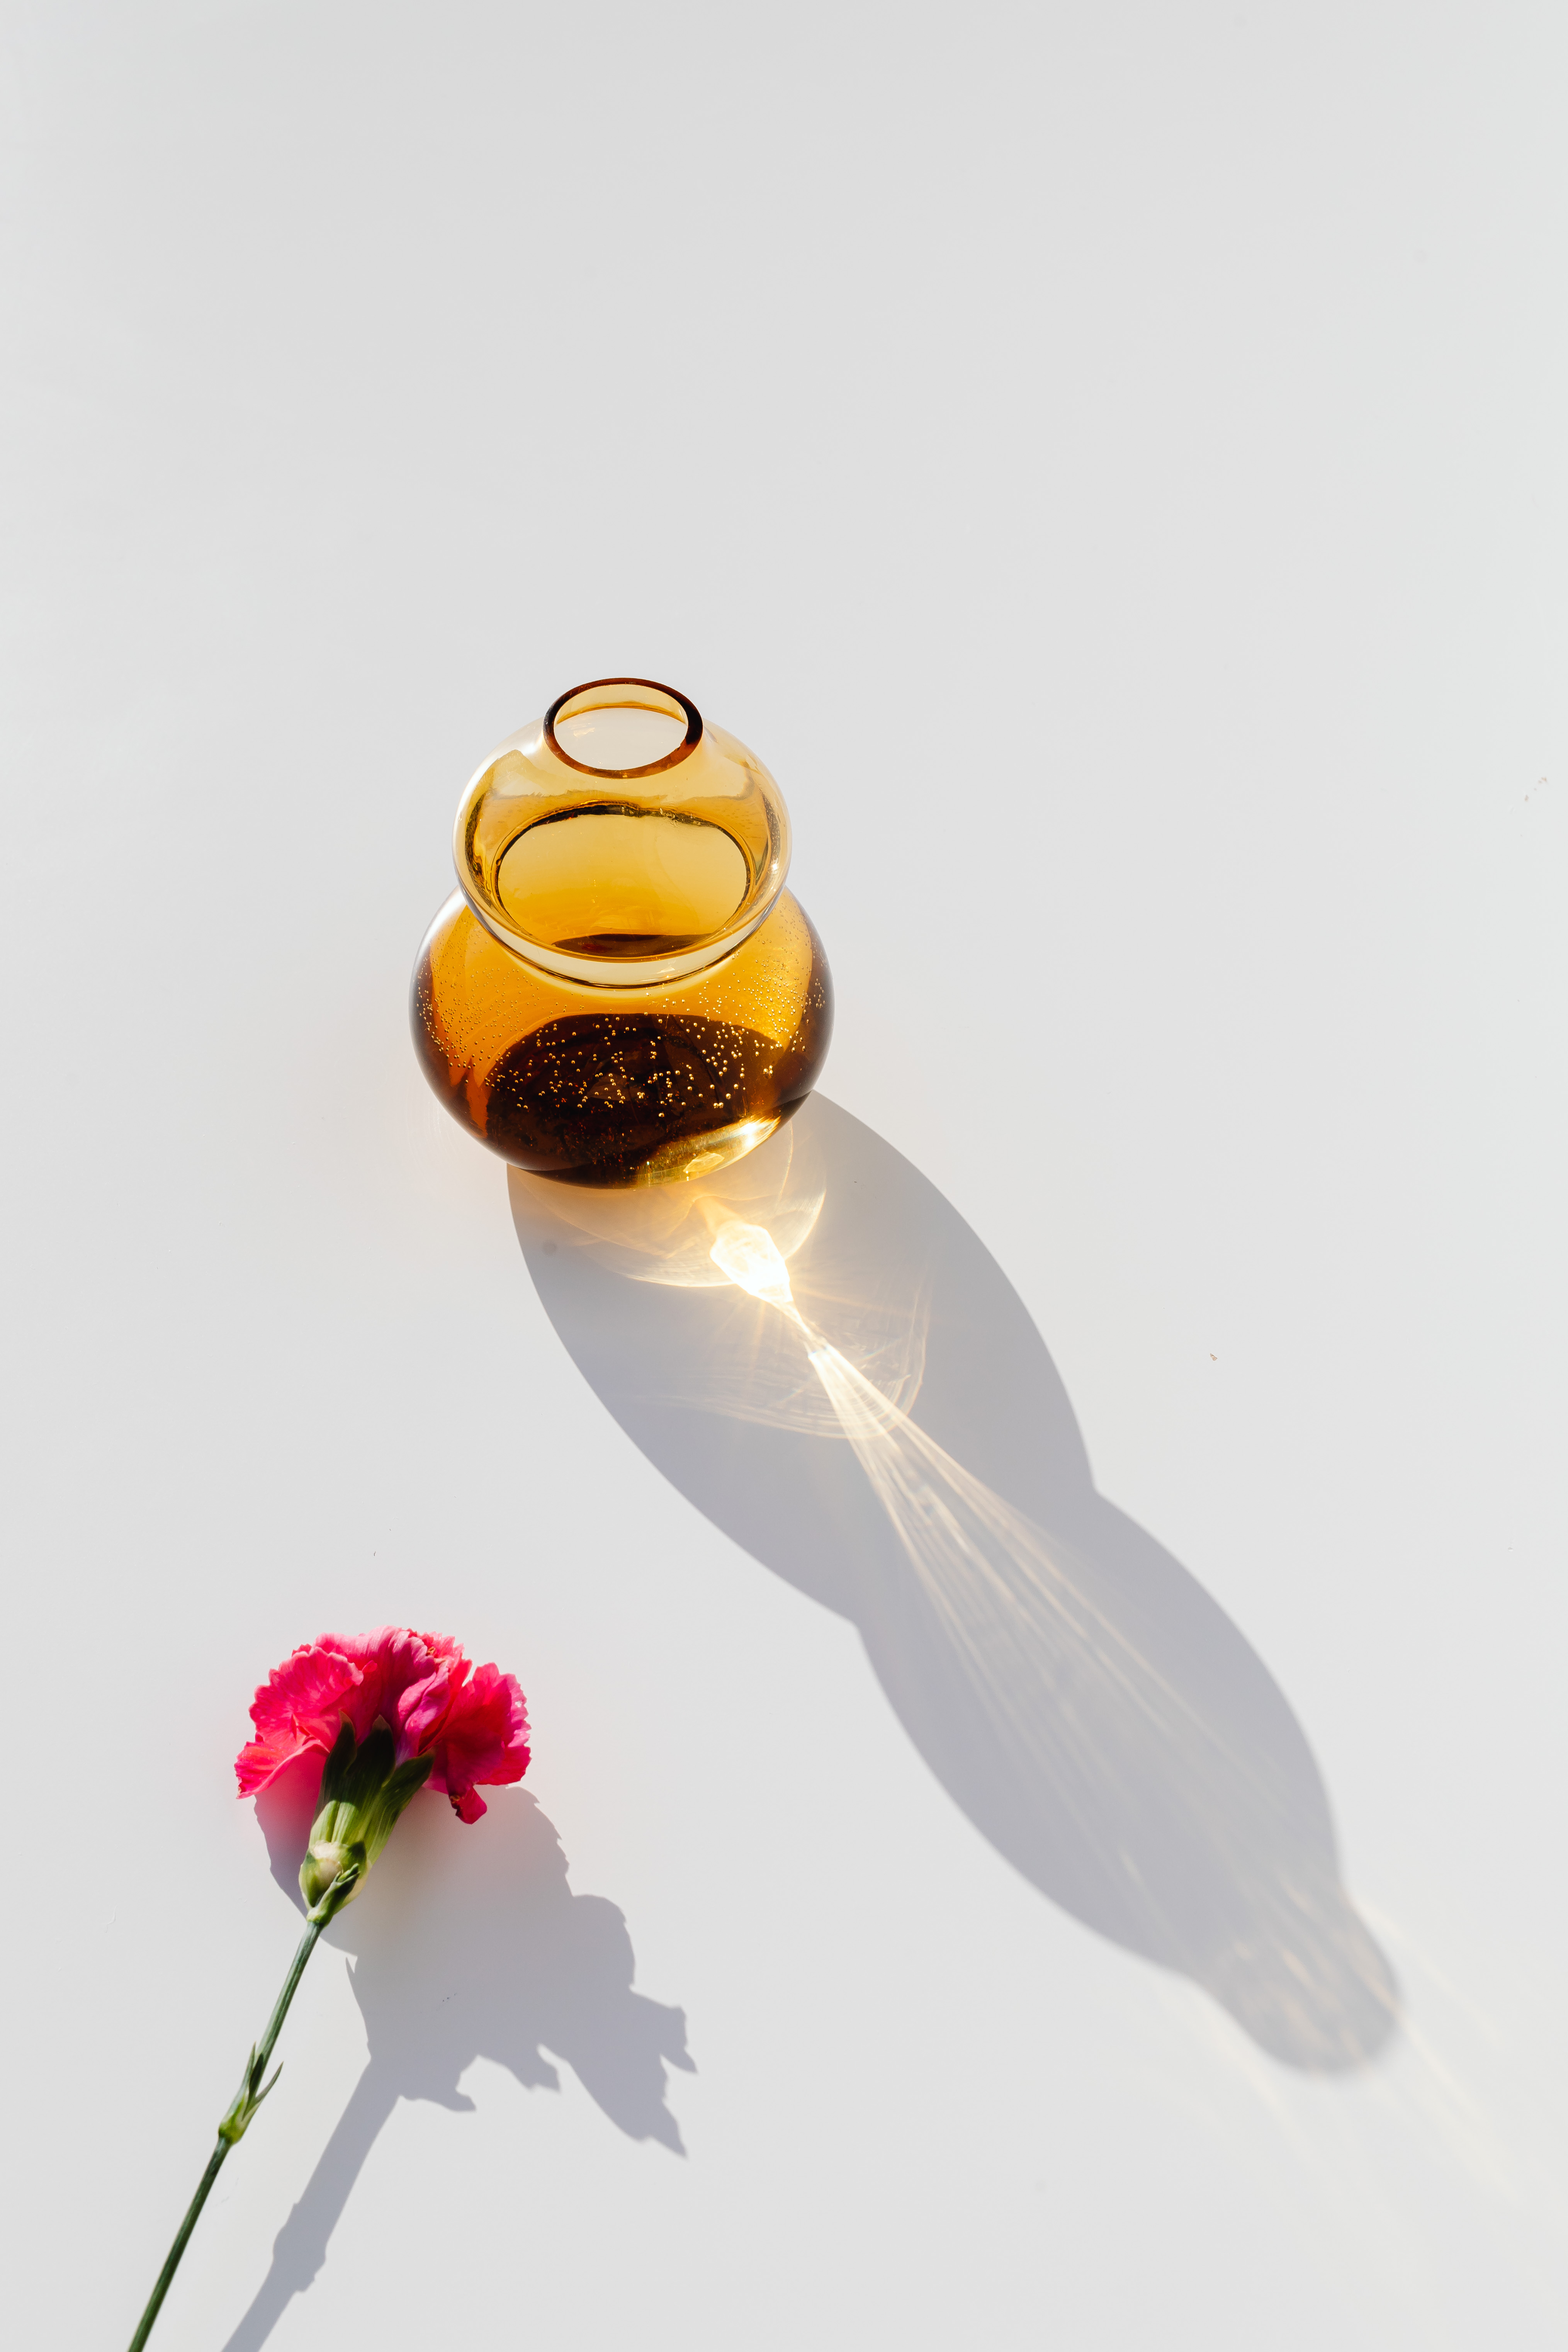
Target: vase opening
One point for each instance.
(622, 727)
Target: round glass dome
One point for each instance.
(619, 840)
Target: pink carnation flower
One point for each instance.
(470, 1720)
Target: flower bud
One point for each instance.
(325, 1861)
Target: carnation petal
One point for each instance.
(471, 1722)
(299, 1706)
(484, 1740)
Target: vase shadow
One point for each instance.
(467, 1942)
(891, 1436)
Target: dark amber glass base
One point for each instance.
(621, 1086)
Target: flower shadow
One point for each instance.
(467, 1943)
(886, 1430)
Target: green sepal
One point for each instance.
(364, 1794)
(337, 1764)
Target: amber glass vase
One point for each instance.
(622, 990)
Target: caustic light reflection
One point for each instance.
(1083, 1711)
(1089, 1705)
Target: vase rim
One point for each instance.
(685, 708)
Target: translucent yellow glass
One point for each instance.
(622, 990)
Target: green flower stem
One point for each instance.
(248, 2097)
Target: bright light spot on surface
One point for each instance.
(751, 1259)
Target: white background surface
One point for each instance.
(1109, 463)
